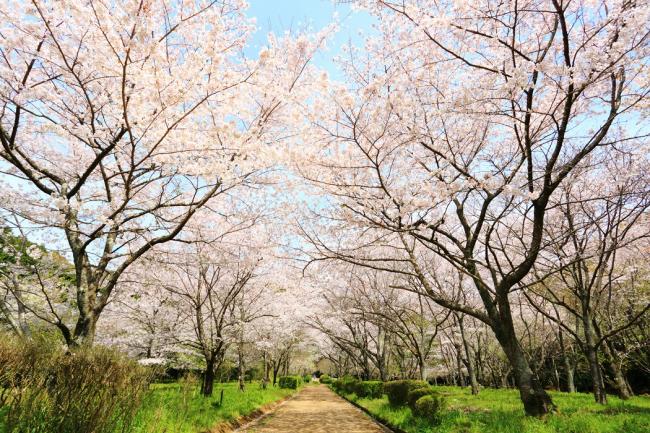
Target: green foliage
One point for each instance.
(369, 389)
(90, 390)
(398, 390)
(346, 385)
(325, 379)
(289, 382)
(430, 407)
(415, 394)
(306, 378)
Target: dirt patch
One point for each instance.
(316, 409)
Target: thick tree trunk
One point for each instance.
(84, 332)
(622, 387)
(208, 378)
(536, 400)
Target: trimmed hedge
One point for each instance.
(325, 379)
(345, 385)
(369, 389)
(289, 382)
(398, 390)
(430, 407)
(415, 394)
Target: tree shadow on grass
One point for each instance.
(626, 409)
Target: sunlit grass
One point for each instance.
(500, 411)
(170, 409)
(174, 408)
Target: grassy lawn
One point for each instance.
(500, 411)
(175, 408)
(172, 408)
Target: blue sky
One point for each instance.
(280, 15)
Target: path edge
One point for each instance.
(235, 425)
(382, 422)
(259, 414)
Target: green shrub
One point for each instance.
(89, 390)
(369, 389)
(415, 394)
(306, 378)
(430, 407)
(345, 385)
(397, 390)
(325, 379)
(349, 384)
(289, 382)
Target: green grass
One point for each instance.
(500, 411)
(174, 408)
(170, 408)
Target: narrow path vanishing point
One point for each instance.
(316, 409)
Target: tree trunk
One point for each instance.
(265, 380)
(592, 357)
(84, 332)
(208, 378)
(536, 400)
(421, 367)
(620, 382)
(459, 365)
(569, 368)
(469, 364)
(276, 370)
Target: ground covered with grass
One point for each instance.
(179, 408)
(500, 411)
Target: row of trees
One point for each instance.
(373, 330)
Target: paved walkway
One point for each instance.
(316, 409)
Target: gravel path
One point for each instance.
(316, 409)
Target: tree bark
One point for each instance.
(536, 400)
(569, 368)
(592, 357)
(469, 364)
(622, 387)
(208, 378)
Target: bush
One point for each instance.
(369, 389)
(89, 390)
(325, 379)
(345, 385)
(289, 382)
(349, 384)
(415, 394)
(430, 407)
(307, 378)
(397, 390)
